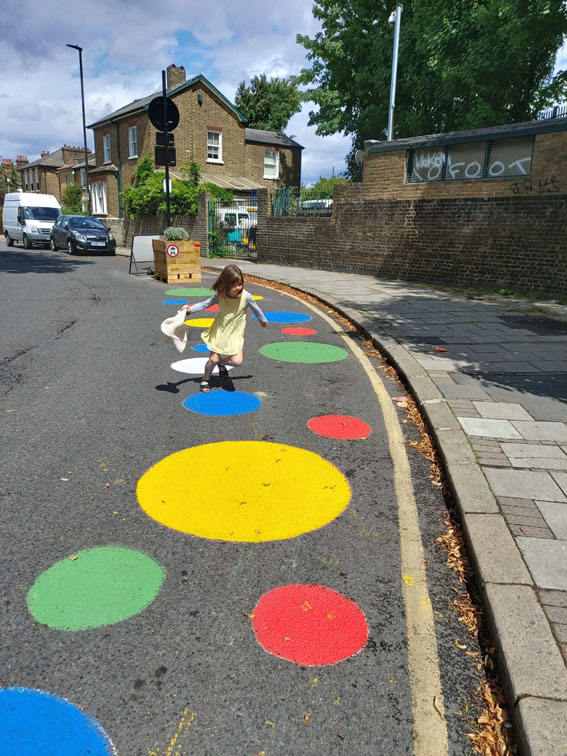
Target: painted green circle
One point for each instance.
(303, 351)
(100, 586)
(186, 292)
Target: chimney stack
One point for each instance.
(21, 160)
(44, 153)
(176, 76)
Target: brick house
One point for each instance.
(42, 175)
(211, 130)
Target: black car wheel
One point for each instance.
(52, 244)
(70, 247)
(27, 243)
(9, 241)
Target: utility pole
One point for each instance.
(395, 18)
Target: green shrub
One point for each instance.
(72, 200)
(176, 233)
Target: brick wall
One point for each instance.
(514, 242)
(384, 176)
(290, 166)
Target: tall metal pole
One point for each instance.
(166, 149)
(87, 183)
(397, 14)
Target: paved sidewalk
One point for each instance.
(496, 402)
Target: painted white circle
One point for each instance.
(193, 366)
(172, 250)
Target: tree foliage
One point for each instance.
(267, 104)
(146, 195)
(462, 64)
(323, 188)
(9, 179)
(72, 199)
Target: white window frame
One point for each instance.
(272, 153)
(83, 174)
(107, 157)
(98, 197)
(132, 141)
(218, 146)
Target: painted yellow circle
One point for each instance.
(257, 297)
(243, 491)
(200, 322)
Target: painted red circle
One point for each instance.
(309, 624)
(212, 308)
(299, 331)
(339, 426)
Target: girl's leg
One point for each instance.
(234, 360)
(209, 367)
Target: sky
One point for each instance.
(126, 45)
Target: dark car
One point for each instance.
(81, 233)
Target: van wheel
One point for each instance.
(9, 241)
(27, 243)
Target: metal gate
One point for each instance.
(233, 227)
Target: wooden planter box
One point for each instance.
(183, 267)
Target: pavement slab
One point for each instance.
(547, 561)
(524, 484)
(489, 428)
(555, 515)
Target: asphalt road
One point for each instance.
(90, 405)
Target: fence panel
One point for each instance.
(233, 228)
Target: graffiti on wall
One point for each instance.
(543, 186)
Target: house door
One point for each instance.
(233, 228)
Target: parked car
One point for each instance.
(28, 217)
(81, 233)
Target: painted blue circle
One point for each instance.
(201, 348)
(175, 301)
(223, 403)
(34, 722)
(277, 316)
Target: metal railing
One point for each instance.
(557, 111)
(302, 202)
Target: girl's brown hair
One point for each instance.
(226, 278)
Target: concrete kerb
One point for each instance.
(522, 642)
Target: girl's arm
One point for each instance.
(256, 310)
(199, 306)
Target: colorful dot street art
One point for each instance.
(95, 587)
(237, 491)
(247, 491)
(34, 722)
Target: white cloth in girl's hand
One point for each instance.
(174, 328)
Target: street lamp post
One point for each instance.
(395, 18)
(87, 186)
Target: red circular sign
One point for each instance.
(339, 426)
(172, 250)
(309, 624)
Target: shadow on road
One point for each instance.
(37, 261)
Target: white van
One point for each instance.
(29, 217)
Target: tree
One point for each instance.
(146, 195)
(267, 104)
(72, 199)
(463, 64)
(9, 179)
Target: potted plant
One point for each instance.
(177, 257)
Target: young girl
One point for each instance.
(225, 337)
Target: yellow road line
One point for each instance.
(429, 724)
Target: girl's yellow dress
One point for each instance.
(226, 334)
